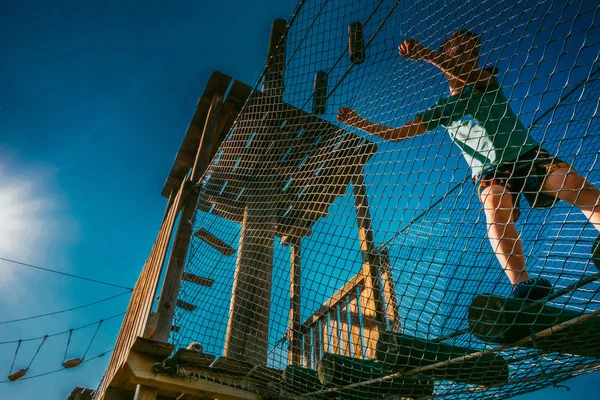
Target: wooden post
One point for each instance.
(174, 274)
(248, 329)
(344, 329)
(295, 334)
(273, 79)
(371, 300)
(307, 345)
(389, 290)
(145, 393)
(357, 344)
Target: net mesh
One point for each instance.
(364, 258)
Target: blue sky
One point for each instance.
(94, 102)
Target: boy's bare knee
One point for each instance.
(497, 204)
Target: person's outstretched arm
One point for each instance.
(453, 67)
(410, 129)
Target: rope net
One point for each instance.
(362, 266)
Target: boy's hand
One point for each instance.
(347, 116)
(412, 49)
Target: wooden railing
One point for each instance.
(345, 324)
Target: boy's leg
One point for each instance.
(504, 237)
(571, 187)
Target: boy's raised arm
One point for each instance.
(410, 129)
(466, 72)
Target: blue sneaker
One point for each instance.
(533, 289)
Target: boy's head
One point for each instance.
(463, 44)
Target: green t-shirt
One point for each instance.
(483, 125)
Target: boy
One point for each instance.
(504, 159)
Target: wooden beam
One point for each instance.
(389, 290)
(335, 331)
(174, 274)
(344, 329)
(306, 348)
(122, 394)
(145, 393)
(324, 322)
(214, 242)
(295, 324)
(357, 344)
(198, 280)
(197, 382)
(247, 336)
(153, 347)
(317, 343)
(371, 300)
(273, 84)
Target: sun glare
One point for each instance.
(29, 216)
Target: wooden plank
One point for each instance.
(316, 343)
(357, 338)
(247, 336)
(273, 84)
(324, 322)
(371, 300)
(122, 394)
(334, 328)
(145, 393)
(202, 382)
(389, 290)
(214, 242)
(174, 274)
(198, 280)
(79, 393)
(295, 325)
(217, 84)
(307, 349)
(185, 305)
(154, 347)
(344, 328)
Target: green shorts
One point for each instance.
(524, 175)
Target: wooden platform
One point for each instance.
(193, 380)
(302, 161)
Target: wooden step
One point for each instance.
(198, 280)
(185, 305)
(215, 242)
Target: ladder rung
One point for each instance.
(198, 280)
(215, 242)
(185, 305)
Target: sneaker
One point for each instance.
(533, 289)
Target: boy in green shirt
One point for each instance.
(504, 159)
